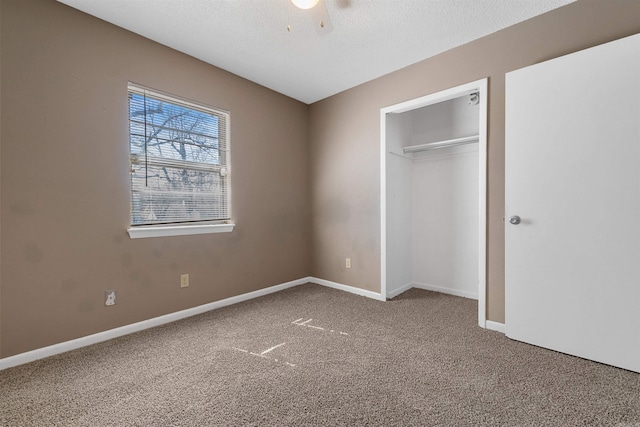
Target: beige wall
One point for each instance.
(306, 179)
(64, 184)
(345, 135)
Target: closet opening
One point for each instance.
(433, 171)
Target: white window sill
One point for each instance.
(178, 230)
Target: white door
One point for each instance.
(573, 178)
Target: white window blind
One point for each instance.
(179, 160)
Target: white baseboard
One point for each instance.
(347, 288)
(456, 292)
(401, 289)
(495, 326)
(41, 353)
(52, 350)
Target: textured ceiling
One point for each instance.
(361, 39)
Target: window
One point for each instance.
(179, 153)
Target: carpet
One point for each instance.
(315, 356)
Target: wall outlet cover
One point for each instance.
(184, 280)
(110, 297)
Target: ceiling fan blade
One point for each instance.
(320, 17)
(343, 4)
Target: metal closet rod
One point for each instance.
(441, 144)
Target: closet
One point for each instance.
(434, 193)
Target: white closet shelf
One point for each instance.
(441, 144)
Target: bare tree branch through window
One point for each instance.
(179, 160)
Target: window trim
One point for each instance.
(145, 231)
(195, 228)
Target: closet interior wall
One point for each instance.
(432, 200)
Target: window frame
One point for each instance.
(180, 228)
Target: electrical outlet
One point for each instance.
(184, 280)
(348, 262)
(110, 297)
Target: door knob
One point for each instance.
(515, 219)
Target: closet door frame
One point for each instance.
(480, 86)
